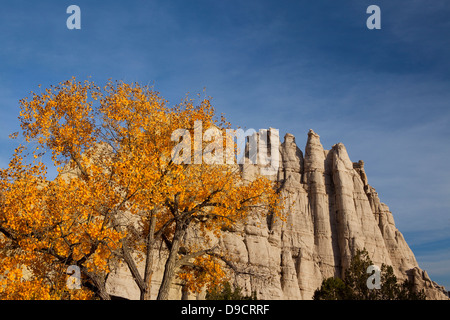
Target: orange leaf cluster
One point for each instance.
(112, 148)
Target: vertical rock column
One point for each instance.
(346, 218)
(298, 225)
(314, 178)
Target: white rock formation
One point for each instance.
(331, 213)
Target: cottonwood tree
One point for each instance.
(118, 195)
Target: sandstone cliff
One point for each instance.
(332, 212)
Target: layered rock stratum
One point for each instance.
(331, 212)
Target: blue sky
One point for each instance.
(291, 65)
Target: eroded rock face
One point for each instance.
(331, 211)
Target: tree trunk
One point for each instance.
(99, 283)
(171, 263)
(148, 272)
(126, 255)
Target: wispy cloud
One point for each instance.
(435, 259)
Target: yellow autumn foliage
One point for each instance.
(112, 149)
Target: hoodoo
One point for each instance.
(331, 212)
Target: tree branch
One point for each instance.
(132, 266)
